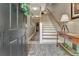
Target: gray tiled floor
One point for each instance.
(45, 50)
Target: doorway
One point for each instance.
(36, 36)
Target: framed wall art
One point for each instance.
(74, 10)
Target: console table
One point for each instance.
(74, 38)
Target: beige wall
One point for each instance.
(74, 26)
(31, 23)
(58, 9)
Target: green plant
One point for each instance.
(66, 45)
(25, 8)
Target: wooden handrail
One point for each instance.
(51, 14)
(67, 50)
(74, 38)
(69, 34)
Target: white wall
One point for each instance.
(74, 26)
(43, 6)
(58, 9)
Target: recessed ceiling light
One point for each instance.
(35, 8)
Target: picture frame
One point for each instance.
(74, 10)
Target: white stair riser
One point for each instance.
(48, 31)
(49, 37)
(49, 34)
(49, 28)
(47, 24)
(52, 29)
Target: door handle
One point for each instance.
(13, 41)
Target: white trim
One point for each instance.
(17, 16)
(40, 32)
(10, 20)
(10, 15)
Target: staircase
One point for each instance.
(49, 33)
